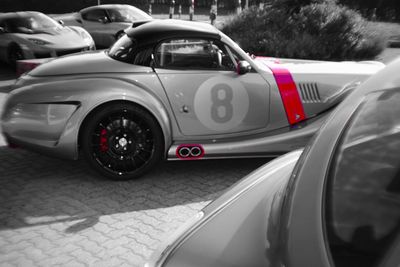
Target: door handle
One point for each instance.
(184, 109)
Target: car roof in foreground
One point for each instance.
(157, 30)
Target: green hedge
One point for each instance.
(324, 31)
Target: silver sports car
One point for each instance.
(106, 23)
(173, 90)
(337, 203)
(27, 35)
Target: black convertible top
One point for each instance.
(157, 30)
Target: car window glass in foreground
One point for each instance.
(193, 54)
(363, 190)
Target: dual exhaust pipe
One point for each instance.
(190, 152)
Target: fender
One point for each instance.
(96, 92)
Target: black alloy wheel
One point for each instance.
(122, 141)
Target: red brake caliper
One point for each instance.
(103, 141)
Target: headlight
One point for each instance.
(38, 41)
(164, 250)
(85, 35)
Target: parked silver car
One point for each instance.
(27, 35)
(173, 90)
(337, 203)
(106, 23)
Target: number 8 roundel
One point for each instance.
(220, 104)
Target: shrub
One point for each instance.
(324, 31)
(293, 6)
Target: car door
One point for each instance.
(207, 95)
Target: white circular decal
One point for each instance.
(221, 104)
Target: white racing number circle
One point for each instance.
(221, 104)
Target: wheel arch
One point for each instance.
(160, 116)
(117, 33)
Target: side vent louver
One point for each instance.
(309, 93)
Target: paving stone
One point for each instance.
(55, 213)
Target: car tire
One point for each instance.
(14, 53)
(122, 141)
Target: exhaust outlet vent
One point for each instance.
(190, 151)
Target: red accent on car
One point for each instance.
(103, 141)
(29, 64)
(289, 94)
(190, 151)
(13, 146)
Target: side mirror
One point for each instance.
(243, 67)
(103, 20)
(61, 22)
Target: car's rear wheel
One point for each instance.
(14, 53)
(122, 141)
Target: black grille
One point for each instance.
(309, 93)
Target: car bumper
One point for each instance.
(39, 127)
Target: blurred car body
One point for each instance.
(105, 23)
(337, 203)
(27, 35)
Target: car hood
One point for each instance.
(62, 38)
(84, 63)
(321, 67)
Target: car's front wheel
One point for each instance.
(122, 141)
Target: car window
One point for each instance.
(126, 14)
(363, 189)
(94, 15)
(127, 50)
(193, 54)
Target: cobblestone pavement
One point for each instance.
(58, 213)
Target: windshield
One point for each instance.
(127, 14)
(32, 23)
